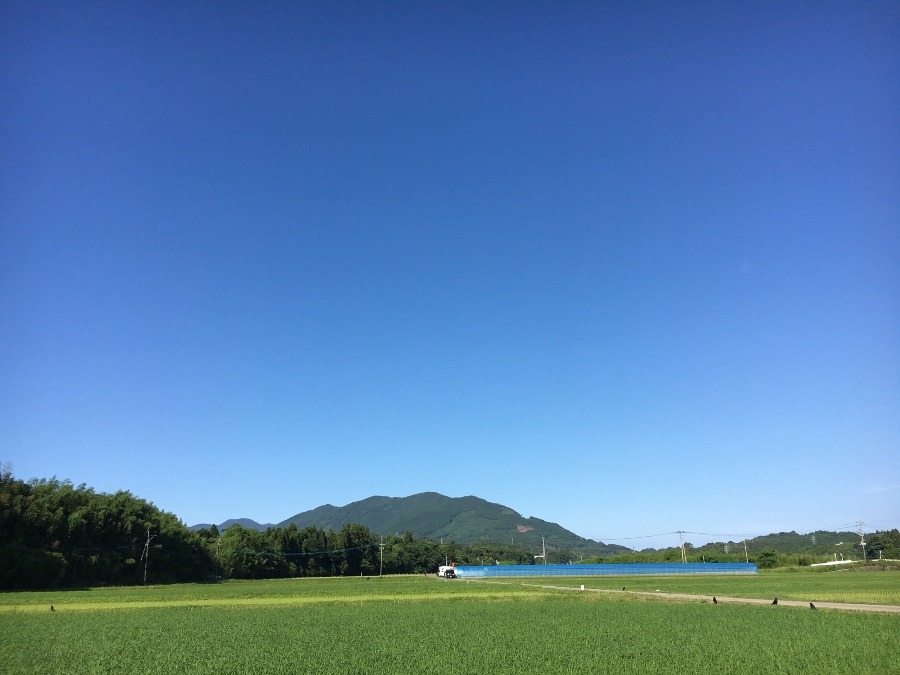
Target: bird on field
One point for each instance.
(715, 602)
(51, 608)
(812, 606)
(623, 588)
(775, 601)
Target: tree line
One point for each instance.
(56, 534)
(767, 553)
(53, 533)
(245, 553)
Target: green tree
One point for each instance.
(315, 560)
(767, 559)
(354, 551)
(884, 545)
(53, 533)
(249, 554)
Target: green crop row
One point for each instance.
(262, 592)
(856, 587)
(572, 633)
(423, 625)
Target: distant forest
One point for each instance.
(55, 534)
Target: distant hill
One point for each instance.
(430, 515)
(469, 520)
(464, 520)
(243, 522)
(820, 542)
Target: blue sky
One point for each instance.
(629, 267)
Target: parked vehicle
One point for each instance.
(447, 571)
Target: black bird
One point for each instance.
(51, 608)
(623, 588)
(775, 601)
(715, 602)
(812, 606)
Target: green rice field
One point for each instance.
(881, 588)
(417, 624)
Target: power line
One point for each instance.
(282, 554)
(642, 536)
(726, 534)
(845, 527)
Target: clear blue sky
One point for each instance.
(628, 267)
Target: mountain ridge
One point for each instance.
(432, 515)
(473, 520)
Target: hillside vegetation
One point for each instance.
(465, 520)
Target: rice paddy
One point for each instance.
(420, 624)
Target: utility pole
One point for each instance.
(146, 555)
(681, 546)
(381, 560)
(862, 541)
(746, 557)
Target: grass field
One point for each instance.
(425, 625)
(881, 588)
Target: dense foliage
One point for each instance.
(55, 534)
(244, 553)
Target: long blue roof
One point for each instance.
(603, 570)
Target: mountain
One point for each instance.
(464, 520)
(430, 515)
(470, 520)
(243, 522)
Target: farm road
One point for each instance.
(857, 607)
(890, 609)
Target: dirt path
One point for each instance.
(856, 607)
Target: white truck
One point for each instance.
(447, 571)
